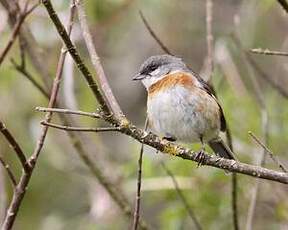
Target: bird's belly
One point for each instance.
(176, 112)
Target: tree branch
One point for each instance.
(153, 34)
(275, 84)
(15, 31)
(268, 52)
(139, 181)
(209, 38)
(21, 69)
(9, 172)
(79, 129)
(68, 111)
(270, 153)
(102, 80)
(16, 147)
(182, 197)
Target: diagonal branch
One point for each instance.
(153, 34)
(21, 69)
(14, 144)
(15, 32)
(136, 216)
(270, 153)
(9, 172)
(182, 197)
(209, 38)
(102, 80)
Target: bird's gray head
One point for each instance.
(156, 67)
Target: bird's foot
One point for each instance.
(200, 157)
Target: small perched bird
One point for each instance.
(181, 106)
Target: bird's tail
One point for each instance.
(221, 149)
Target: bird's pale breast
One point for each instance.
(177, 106)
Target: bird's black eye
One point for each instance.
(152, 68)
(149, 69)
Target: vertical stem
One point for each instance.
(139, 180)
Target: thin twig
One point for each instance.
(234, 182)
(80, 129)
(255, 190)
(280, 88)
(209, 37)
(9, 172)
(270, 153)
(136, 215)
(15, 32)
(268, 52)
(25, 178)
(21, 69)
(153, 34)
(16, 147)
(102, 80)
(284, 4)
(182, 197)
(68, 111)
(3, 196)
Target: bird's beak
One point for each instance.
(138, 77)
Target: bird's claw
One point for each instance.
(200, 157)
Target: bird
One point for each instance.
(181, 106)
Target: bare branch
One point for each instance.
(14, 144)
(153, 34)
(209, 37)
(268, 52)
(80, 129)
(9, 172)
(139, 181)
(182, 197)
(275, 84)
(102, 80)
(270, 153)
(68, 111)
(21, 69)
(15, 32)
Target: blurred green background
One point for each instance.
(64, 195)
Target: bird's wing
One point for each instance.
(208, 89)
